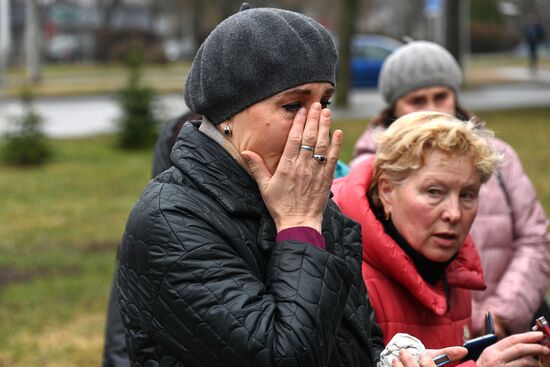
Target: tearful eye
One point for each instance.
(325, 103)
(292, 107)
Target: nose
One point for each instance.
(431, 106)
(452, 212)
(434, 106)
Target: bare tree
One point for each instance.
(229, 7)
(457, 14)
(32, 42)
(346, 28)
(452, 15)
(108, 8)
(5, 38)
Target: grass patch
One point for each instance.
(91, 79)
(60, 225)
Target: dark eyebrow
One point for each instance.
(303, 91)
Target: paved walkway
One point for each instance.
(80, 116)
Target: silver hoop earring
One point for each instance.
(227, 130)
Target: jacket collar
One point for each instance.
(212, 168)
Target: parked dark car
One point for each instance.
(367, 55)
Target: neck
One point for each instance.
(431, 271)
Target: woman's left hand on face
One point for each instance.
(426, 359)
(297, 193)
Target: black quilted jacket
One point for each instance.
(202, 282)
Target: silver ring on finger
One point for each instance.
(307, 147)
(321, 158)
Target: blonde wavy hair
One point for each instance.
(402, 146)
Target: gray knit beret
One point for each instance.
(416, 65)
(253, 55)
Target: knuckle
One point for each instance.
(294, 139)
(309, 137)
(322, 146)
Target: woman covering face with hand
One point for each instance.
(416, 201)
(235, 256)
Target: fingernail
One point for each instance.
(326, 113)
(316, 106)
(302, 111)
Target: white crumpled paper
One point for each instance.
(398, 342)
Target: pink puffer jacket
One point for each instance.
(511, 237)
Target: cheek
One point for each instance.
(449, 106)
(411, 225)
(402, 109)
(420, 221)
(469, 218)
(272, 138)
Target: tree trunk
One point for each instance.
(108, 7)
(5, 38)
(453, 34)
(32, 42)
(346, 28)
(197, 11)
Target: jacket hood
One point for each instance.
(382, 253)
(365, 146)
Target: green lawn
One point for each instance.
(88, 79)
(60, 226)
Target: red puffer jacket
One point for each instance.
(511, 236)
(402, 300)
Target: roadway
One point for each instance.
(81, 116)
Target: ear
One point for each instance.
(386, 191)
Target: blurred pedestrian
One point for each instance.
(416, 201)
(235, 255)
(511, 228)
(534, 35)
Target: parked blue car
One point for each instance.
(367, 55)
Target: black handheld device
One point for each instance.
(477, 345)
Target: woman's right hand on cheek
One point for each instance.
(521, 350)
(298, 191)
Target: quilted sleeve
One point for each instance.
(198, 298)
